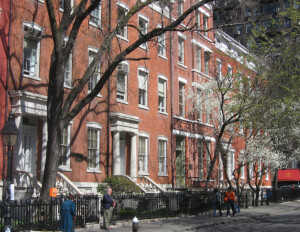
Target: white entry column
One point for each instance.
(133, 157)
(116, 153)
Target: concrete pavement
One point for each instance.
(193, 223)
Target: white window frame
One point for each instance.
(125, 75)
(94, 20)
(37, 40)
(243, 173)
(205, 25)
(181, 92)
(96, 127)
(66, 168)
(219, 69)
(200, 104)
(230, 163)
(163, 95)
(180, 7)
(198, 58)
(164, 140)
(94, 51)
(143, 86)
(68, 83)
(181, 49)
(124, 34)
(61, 8)
(200, 158)
(208, 155)
(207, 63)
(146, 155)
(144, 30)
(198, 21)
(162, 45)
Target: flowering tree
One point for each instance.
(260, 156)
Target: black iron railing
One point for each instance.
(38, 215)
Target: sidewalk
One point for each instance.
(192, 223)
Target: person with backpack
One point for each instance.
(217, 202)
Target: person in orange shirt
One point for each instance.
(230, 200)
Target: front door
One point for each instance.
(28, 163)
(180, 162)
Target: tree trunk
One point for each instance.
(55, 124)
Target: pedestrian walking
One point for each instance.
(217, 202)
(230, 200)
(67, 215)
(108, 206)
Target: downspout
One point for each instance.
(171, 79)
(108, 93)
(7, 75)
(8, 60)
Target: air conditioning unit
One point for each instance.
(122, 67)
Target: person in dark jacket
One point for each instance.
(108, 205)
(67, 215)
(217, 202)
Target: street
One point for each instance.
(277, 217)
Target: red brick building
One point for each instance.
(139, 125)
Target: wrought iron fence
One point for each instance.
(38, 215)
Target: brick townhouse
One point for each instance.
(139, 125)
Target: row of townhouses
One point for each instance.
(141, 124)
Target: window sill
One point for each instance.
(163, 57)
(163, 174)
(197, 71)
(144, 107)
(122, 101)
(143, 173)
(68, 87)
(93, 171)
(64, 169)
(122, 38)
(182, 65)
(164, 113)
(32, 77)
(95, 25)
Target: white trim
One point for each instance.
(182, 36)
(206, 49)
(122, 4)
(182, 80)
(94, 125)
(197, 85)
(162, 76)
(187, 134)
(204, 12)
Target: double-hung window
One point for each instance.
(93, 146)
(162, 92)
(181, 39)
(180, 7)
(122, 74)
(162, 45)
(143, 28)
(64, 158)
(143, 154)
(206, 62)
(205, 25)
(219, 70)
(31, 50)
(198, 21)
(208, 157)
(200, 104)
(62, 3)
(162, 156)
(122, 11)
(198, 58)
(230, 164)
(95, 17)
(68, 69)
(181, 99)
(143, 87)
(95, 77)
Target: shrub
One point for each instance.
(119, 185)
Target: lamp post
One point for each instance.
(10, 134)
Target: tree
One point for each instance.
(261, 156)
(63, 106)
(225, 99)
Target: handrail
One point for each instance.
(134, 182)
(156, 185)
(69, 183)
